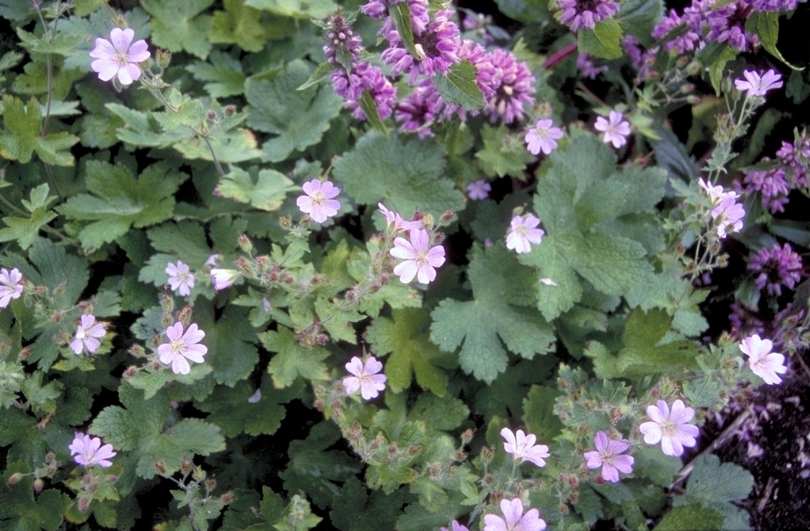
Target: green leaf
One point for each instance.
(586, 205)
(439, 413)
(21, 511)
(139, 428)
(400, 14)
(714, 483)
(299, 118)
(21, 137)
(603, 41)
(266, 193)
(483, 326)
(765, 25)
(121, 201)
(293, 360)
(404, 337)
(223, 74)
(639, 17)
(305, 9)
(406, 176)
(459, 86)
(504, 153)
(538, 412)
(25, 230)
(354, 509)
(645, 349)
(229, 352)
(241, 409)
(314, 469)
(178, 26)
(239, 25)
(61, 44)
(691, 517)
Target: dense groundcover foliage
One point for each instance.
(396, 264)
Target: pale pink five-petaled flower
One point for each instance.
(671, 428)
(393, 218)
(757, 85)
(762, 361)
(88, 451)
(365, 377)
(181, 279)
(523, 448)
(10, 286)
(608, 456)
(420, 258)
(455, 527)
(182, 347)
(615, 130)
(319, 201)
(223, 278)
(88, 333)
(543, 137)
(119, 56)
(514, 519)
(523, 232)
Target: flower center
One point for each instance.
(177, 345)
(121, 58)
(317, 198)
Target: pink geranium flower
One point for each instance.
(88, 451)
(607, 455)
(181, 279)
(523, 448)
(455, 527)
(762, 361)
(223, 278)
(514, 519)
(365, 377)
(543, 137)
(88, 333)
(119, 56)
(319, 200)
(393, 218)
(10, 286)
(756, 85)
(523, 232)
(670, 428)
(182, 347)
(615, 130)
(420, 259)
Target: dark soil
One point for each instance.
(774, 445)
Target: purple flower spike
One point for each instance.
(777, 267)
(586, 13)
(511, 87)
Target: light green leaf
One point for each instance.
(240, 25)
(504, 153)
(179, 26)
(404, 337)
(459, 86)
(765, 25)
(691, 517)
(25, 230)
(267, 193)
(483, 326)
(406, 176)
(603, 41)
(296, 8)
(223, 74)
(293, 360)
(21, 137)
(299, 118)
